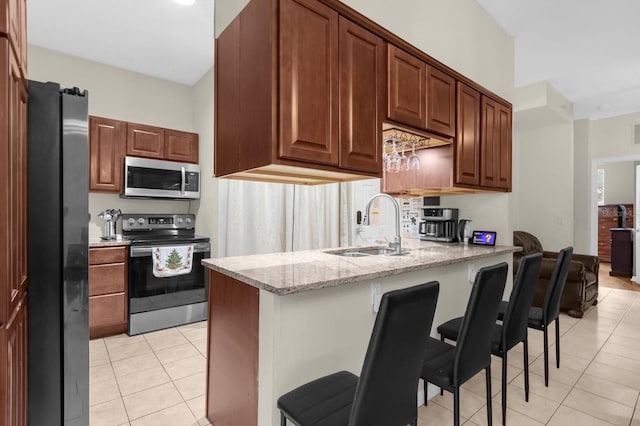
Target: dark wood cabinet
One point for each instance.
(362, 57)
(13, 367)
(311, 94)
(406, 88)
(145, 141)
(495, 152)
(110, 140)
(108, 313)
(13, 214)
(420, 95)
(441, 102)
(607, 219)
(308, 82)
(621, 252)
(180, 146)
(467, 145)
(107, 146)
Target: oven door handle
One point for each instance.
(146, 250)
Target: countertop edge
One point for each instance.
(316, 285)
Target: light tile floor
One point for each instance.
(159, 378)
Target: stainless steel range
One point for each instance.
(158, 301)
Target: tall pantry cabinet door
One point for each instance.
(467, 145)
(308, 82)
(107, 144)
(406, 80)
(361, 98)
(13, 191)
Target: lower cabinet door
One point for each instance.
(107, 314)
(13, 360)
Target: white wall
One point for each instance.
(619, 182)
(461, 35)
(123, 95)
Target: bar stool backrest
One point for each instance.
(387, 390)
(551, 304)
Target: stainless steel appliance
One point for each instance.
(58, 219)
(465, 230)
(439, 224)
(161, 302)
(110, 217)
(149, 178)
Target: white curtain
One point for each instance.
(258, 218)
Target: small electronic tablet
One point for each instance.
(484, 238)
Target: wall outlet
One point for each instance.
(472, 272)
(376, 296)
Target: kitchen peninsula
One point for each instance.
(279, 320)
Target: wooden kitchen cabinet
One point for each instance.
(145, 141)
(362, 68)
(107, 146)
(13, 25)
(312, 95)
(467, 145)
(420, 95)
(13, 367)
(406, 88)
(495, 152)
(111, 140)
(180, 146)
(108, 291)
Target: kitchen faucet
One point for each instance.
(396, 244)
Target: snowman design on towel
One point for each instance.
(172, 261)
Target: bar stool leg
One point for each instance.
(489, 409)
(283, 419)
(558, 342)
(425, 392)
(546, 356)
(456, 406)
(526, 368)
(504, 388)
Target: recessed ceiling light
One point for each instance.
(185, 2)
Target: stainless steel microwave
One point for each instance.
(149, 178)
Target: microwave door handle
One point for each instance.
(184, 183)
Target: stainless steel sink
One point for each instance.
(377, 251)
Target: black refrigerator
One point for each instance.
(58, 317)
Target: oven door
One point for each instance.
(157, 303)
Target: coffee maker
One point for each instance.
(439, 224)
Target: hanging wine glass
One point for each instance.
(404, 161)
(393, 163)
(414, 160)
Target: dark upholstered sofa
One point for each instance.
(581, 288)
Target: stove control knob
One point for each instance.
(188, 220)
(131, 221)
(180, 220)
(141, 221)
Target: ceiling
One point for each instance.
(586, 49)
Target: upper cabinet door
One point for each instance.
(145, 141)
(496, 145)
(181, 146)
(361, 98)
(308, 82)
(441, 102)
(467, 145)
(406, 81)
(107, 140)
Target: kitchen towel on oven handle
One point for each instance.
(169, 261)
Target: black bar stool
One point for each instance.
(541, 318)
(513, 330)
(450, 366)
(386, 392)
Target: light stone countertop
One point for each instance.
(98, 242)
(295, 272)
